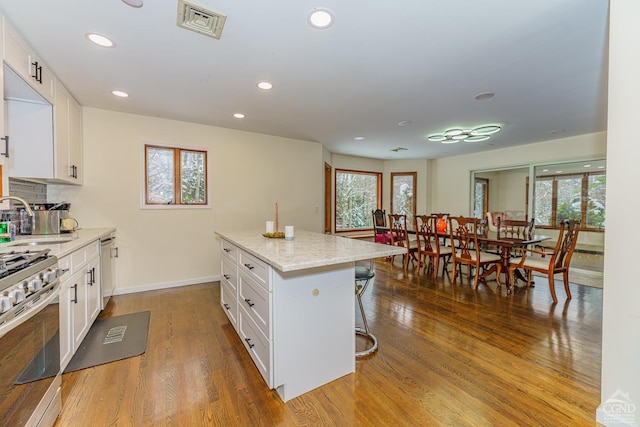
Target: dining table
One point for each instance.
(505, 246)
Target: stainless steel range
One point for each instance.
(30, 377)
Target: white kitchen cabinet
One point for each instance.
(67, 137)
(27, 63)
(43, 121)
(79, 298)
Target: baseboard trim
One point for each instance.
(165, 285)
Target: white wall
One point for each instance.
(451, 176)
(621, 316)
(248, 173)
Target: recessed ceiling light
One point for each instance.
(133, 3)
(587, 166)
(484, 95)
(558, 171)
(600, 167)
(239, 116)
(359, 138)
(120, 93)
(265, 85)
(320, 18)
(100, 40)
(404, 123)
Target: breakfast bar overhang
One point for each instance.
(292, 303)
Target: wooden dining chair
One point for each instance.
(430, 250)
(515, 229)
(380, 229)
(550, 263)
(400, 237)
(464, 233)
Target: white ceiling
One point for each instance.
(381, 63)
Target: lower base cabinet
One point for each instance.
(79, 298)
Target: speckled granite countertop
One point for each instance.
(307, 250)
(59, 244)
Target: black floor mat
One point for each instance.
(111, 339)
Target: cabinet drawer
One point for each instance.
(256, 301)
(229, 274)
(229, 302)
(260, 349)
(256, 268)
(80, 257)
(230, 250)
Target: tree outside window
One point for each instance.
(175, 176)
(358, 193)
(403, 194)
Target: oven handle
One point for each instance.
(31, 308)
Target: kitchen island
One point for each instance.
(293, 303)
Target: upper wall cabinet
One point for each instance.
(24, 61)
(67, 137)
(43, 122)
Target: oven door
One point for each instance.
(30, 363)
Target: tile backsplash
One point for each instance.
(32, 192)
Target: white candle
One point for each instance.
(288, 232)
(270, 227)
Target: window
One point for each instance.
(403, 194)
(568, 194)
(175, 176)
(357, 195)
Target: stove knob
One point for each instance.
(35, 285)
(49, 276)
(5, 304)
(17, 294)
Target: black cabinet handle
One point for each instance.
(248, 340)
(6, 146)
(75, 293)
(227, 250)
(226, 276)
(227, 306)
(38, 72)
(249, 266)
(248, 301)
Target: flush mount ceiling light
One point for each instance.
(120, 93)
(359, 138)
(320, 18)
(484, 95)
(265, 85)
(133, 3)
(239, 116)
(451, 136)
(100, 40)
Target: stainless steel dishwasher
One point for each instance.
(108, 251)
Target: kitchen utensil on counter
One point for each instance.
(68, 225)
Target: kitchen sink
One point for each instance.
(42, 242)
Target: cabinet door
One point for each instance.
(66, 321)
(75, 140)
(61, 113)
(93, 289)
(80, 309)
(16, 51)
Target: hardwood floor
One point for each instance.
(448, 355)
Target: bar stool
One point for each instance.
(363, 278)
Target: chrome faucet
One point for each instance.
(18, 199)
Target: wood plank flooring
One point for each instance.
(449, 355)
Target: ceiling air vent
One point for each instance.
(197, 18)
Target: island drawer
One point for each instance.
(256, 301)
(256, 268)
(229, 250)
(229, 273)
(229, 302)
(259, 347)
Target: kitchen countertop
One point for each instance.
(77, 239)
(307, 249)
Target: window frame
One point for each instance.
(414, 178)
(177, 150)
(584, 179)
(378, 176)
